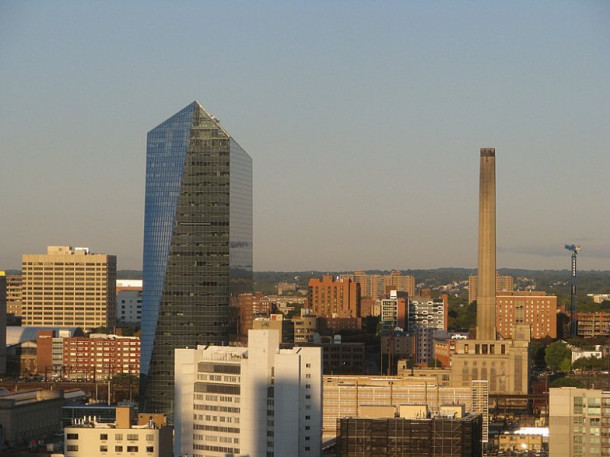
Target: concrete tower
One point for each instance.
(502, 363)
(486, 298)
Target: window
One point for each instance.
(72, 436)
(72, 447)
(103, 448)
(118, 437)
(132, 437)
(132, 448)
(104, 436)
(118, 449)
(150, 449)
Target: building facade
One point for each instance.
(96, 358)
(129, 301)
(593, 324)
(123, 437)
(395, 312)
(69, 287)
(13, 294)
(375, 286)
(393, 436)
(503, 284)
(536, 309)
(197, 244)
(329, 298)
(503, 363)
(349, 396)
(579, 422)
(257, 401)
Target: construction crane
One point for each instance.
(574, 249)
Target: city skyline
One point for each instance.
(363, 122)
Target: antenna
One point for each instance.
(575, 249)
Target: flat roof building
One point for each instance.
(123, 437)
(70, 287)
(257, 400)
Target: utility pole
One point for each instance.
(573, 322)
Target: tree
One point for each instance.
(556, 356)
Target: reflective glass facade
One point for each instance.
(197, 244)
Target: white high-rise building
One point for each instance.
(255, 401)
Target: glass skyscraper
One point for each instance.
(197, 244)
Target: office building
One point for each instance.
(536, 309)
(504, 363)
(349, 396)
(503, 284)
(197, 244)
(128, 301)
(257, 400)
(579, 422)
(329, 298)
(69, 287)
(395, 312)
(389, 436)
(89, 437)
(13, 295)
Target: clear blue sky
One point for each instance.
(364, 120)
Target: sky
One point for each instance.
(364, 120)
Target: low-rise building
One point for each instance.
(28, 415)
(98, 357)
(346, 396)
(92, 438)
(437, 436)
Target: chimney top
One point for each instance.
(488, 152)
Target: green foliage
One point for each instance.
(591, 363)
(566, 382)
(555, 356)
(537, 351)
(462, 316)
(580, 343)
(125, 379)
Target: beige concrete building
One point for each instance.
(354, 396)
(69, 287)
(579, 422)
(503, 363)
(122, 438)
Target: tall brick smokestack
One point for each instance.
(486, 297)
